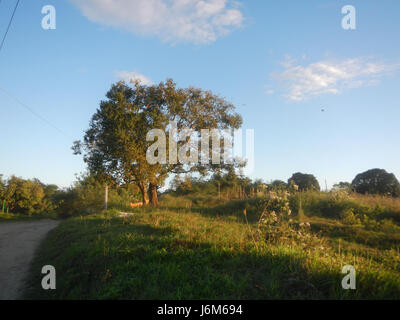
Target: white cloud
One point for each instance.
(330, 77)
(196, 21)
(132, 76)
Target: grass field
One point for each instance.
(187, 251)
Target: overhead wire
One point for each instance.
(9, 25)
(34, 112)
(37, 115)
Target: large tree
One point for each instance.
(304, 181)
(377, 181)
(117, 143)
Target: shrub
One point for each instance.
(387, 225)
(348, 217)
(26, 196)
(276, 226)
(87, 197)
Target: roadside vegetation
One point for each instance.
(280, 243)
(22, 199)
(9, 217)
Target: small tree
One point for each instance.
(377, 181)
(305, 181)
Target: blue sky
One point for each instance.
(279, 62)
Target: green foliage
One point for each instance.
(346, 186)
(226, 186)
(116, 142)
(29, 197)
(377, 181)
(278, 185)
(348, 217)
(376, 213)
(304, 181)
(24, 217)
(87, 197)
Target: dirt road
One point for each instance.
(18, 242)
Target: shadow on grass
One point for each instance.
(133, 259)
(231, 209)
(372, 239)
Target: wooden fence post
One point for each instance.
(106, 197)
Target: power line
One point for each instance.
(34, 112)
(9, 25)
(14, 97)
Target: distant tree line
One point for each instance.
(229, 185)
(232, 185)
(86, 195)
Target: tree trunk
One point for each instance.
(153, 194)
(142, 189)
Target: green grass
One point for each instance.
(4, 217)
(198, 252)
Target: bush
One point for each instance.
(27, 197)
(87, 197)
(387, 225)
(276, 225)
(348, 217)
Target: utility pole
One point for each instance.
(105, 197)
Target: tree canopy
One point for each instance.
(304, 181)
(26, 196)
(377, 181)
(116, 145)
